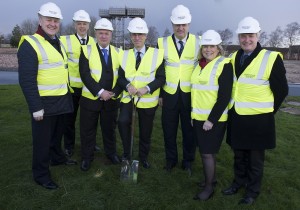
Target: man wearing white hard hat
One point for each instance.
(181, 50)
(98, 66)
(43, 77)
(141, 75)
(260, 86)
(211, 92)
(73, 44)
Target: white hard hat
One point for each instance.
(137, 25)
(248, 25)
(181, 15)
(103, 23)
(82, 15)
(210, 37)
(50, 10)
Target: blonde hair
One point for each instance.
(219, 46)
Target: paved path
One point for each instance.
(8, 77)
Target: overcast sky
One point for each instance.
(206, 14)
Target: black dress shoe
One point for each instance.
(85, 165)
(69, 152)
(230, 190)
(202, 184)
(49, 185)
(70, 162)
(187, 166)
(115, 159)
(97, 148)
(247, 200)
(168, 167)
(204, 195)
(146, 164)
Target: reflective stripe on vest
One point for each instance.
(204, 96)
(52, 78)
(179, 70)
(141, 77)
(252, 94)
(92, 54)
(73, 51)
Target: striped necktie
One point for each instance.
(138, 60)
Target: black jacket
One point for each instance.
(28, 70)
(257, 132)
(105, 82)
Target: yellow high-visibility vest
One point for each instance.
(179, 70)
(251, 91)
(92, 54)
(143, 75)
(52, 77)
(73, 48)
(205, 87)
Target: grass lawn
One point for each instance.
(100, 187)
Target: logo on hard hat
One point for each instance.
(104, 25)
(52, 12)
(208, 40)
(246, 27)
(181, 17)
(139, 27)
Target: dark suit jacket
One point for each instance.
(158, 82)
(94, 87)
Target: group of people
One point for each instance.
(188, 76)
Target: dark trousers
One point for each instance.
(46, 143)
(70, 120)
(145, 117)
(170, 121)
(248, 170)
(88, 130)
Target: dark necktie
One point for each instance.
(105, 55)
(243, 58)
(138, 60)
(82, 41)
(181, 47)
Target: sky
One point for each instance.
(206, 14)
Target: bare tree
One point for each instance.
(29, 26)
(263, 38)
(226, 36)
(152, 36)
(276, 38)
(199, 33)
(1, 39)
(167, 33)
(67, 29)
(92, 25)
(127, 40)
(291, 33)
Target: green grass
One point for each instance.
(155, 189)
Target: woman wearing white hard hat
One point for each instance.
(260, 86)
(211, 92)
(43, 77)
